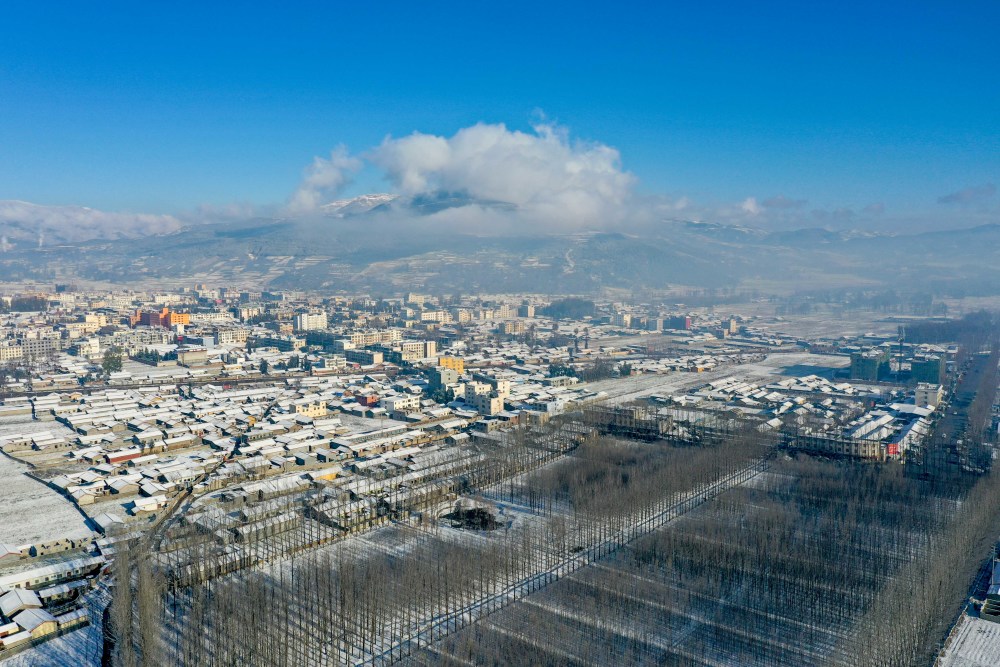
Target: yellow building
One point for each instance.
(456, 364)
(310, 408)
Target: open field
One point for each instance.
(32, 512)
(975, 643)
(790, 364)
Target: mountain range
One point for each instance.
(387, 244)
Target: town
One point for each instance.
(238, 429)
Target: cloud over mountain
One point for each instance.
(323, 180)
(24, 222)
(546, 175)
(543, 175)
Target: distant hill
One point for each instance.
(401, 247)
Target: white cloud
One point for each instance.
(750, 206)
(23, 221)
(322, 180)
(547, 176)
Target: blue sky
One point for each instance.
(162, 107)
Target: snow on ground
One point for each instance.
(828, 324)
(976, 643)
(32, 512)
(141, 370)
(792, 364)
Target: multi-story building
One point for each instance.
(310, 407)
(512, 327)
(441, 377)
(10, 352)
(97, 319)
(461, 315)
(374, 336)
(622, 320)
(248, 312)
(279, 327)
(87, 347)
(486, 394)
(927, 369)
(442, 316)
(404, 403)
(869, 365)
(407, 350)
(164, 318)
(412, 350)
(457, 364)
(284, 343)
(482, 399)
(677, 322)
(36, 347)
(211, 317)
(928, 394)
(231, 336)
(364, 357)
(310, 321)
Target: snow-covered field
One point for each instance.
(32, 512)
(976, 643)
(792, 364)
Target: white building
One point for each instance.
(401, 403)
(310, 321)
(928, 394)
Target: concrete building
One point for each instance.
(486, 397)
(231, 336)
(441, 377)
(364, 357)
(677, 322)
(310, 407)
(622, 320)
(512, 327)
(401, 403)
(284, 343)
(929, 369)
(869, 365)
(310, 321)
(457, 364)
(928, 394)
(373, 337)
(164, 318)
(194, 356)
